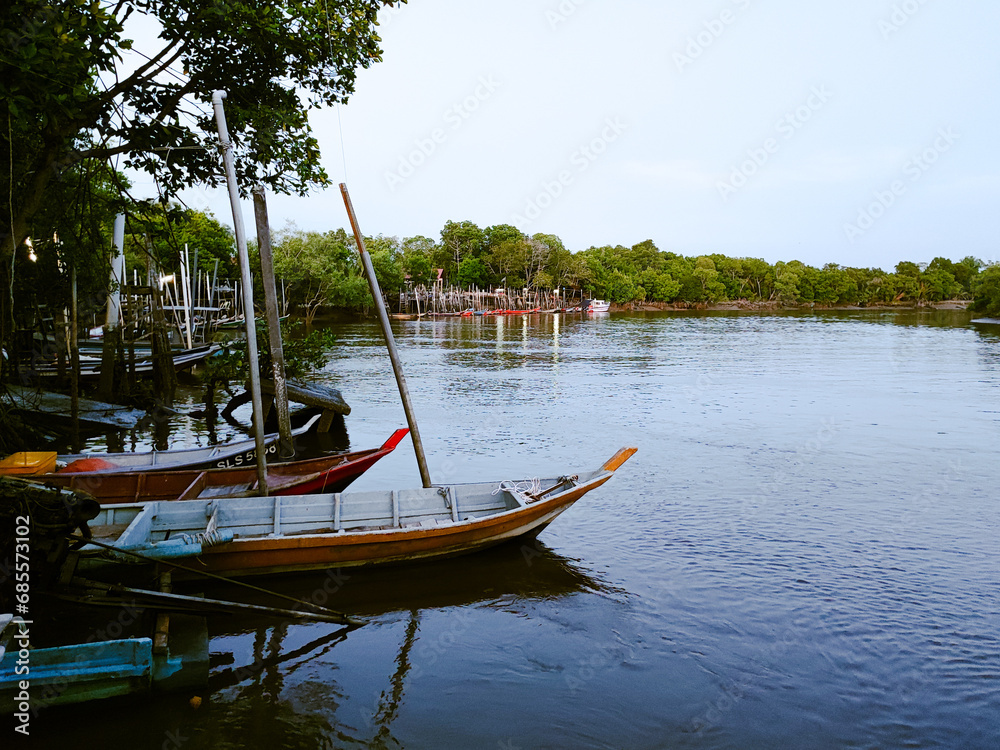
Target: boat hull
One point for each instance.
(327, 474)
(244, 557)
(228, 456)
(250, 536)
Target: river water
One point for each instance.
(804, 552)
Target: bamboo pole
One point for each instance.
(248, 317)
(390, 342)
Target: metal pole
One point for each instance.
(390, 342)
(241, 249)
(273, 326)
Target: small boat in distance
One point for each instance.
(270, 535)
(513, 312)
(227, 455)
(599, 305)
(327, 474)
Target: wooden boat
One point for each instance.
(229, 455)
(326, 474)
(81, 672)
(78, 673)
(514, 312)
(235, 323)
(90, 368)
(269, 535)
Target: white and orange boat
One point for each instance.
(270, 535)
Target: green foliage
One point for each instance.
(712, 290)
(72, 234)
(416, 260)
(164, 231)
(660, 286)
(303, 353)
(324, 271)
(387, 262)
(473, 272)
(987, 299)
(67, 70)
(786, 283)
(621, 288)
(459, 240)
(75, 230)
(76, 98)
(321, 270)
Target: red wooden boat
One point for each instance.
(326, 474)
(513, 312)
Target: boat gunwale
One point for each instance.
(442, 528)
(205, 453)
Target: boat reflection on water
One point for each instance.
(520, 569)
(270, 675)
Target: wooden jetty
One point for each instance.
(437, 299)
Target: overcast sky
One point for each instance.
(859, 132)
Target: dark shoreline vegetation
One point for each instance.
(322, 275)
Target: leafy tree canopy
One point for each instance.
(987, 299)
(70, 67)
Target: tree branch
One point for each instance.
(142, 72)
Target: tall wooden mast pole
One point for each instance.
(390, 342)
(273, 323)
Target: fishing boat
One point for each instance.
(228, 455)
(514, 312)
(82, 672)
(90, 366)
(270, 535)
(326, 474)
(599, 305)
(237, 322)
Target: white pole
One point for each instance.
(186, 291)
(241, 249)
(117, 274)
